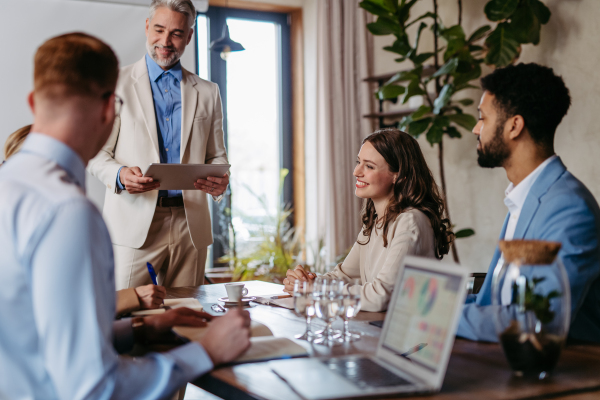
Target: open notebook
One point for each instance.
(188, 302)
(263, 345)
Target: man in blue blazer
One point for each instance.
(519, 111)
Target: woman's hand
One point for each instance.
(150, 296)
(297, 273)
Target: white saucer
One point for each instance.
(245, 301)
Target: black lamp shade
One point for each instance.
(225, 42)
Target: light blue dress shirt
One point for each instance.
(558, 208)
(57, 302)
(166, 93)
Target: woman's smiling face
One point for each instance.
(374, 180)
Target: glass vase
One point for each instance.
(532, 294)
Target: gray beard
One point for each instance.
(161, 61)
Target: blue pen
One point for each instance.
(152, 273)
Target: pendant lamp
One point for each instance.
(225, 45)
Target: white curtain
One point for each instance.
(345, 58)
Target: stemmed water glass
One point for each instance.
(350, 307)
(304, 306)
(328, 301)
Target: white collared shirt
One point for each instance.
(516, 195)
(514, 200)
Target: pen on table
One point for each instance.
(152, 274)
(414, 349)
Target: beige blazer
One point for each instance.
(376, 266)
(134, 142)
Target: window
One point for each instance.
(256, 93)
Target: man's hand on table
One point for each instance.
(135, 182)
(158, 327)
(297, 273)
(150, 296)
(228, 336)
(213, 185)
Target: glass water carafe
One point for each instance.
(532, 294)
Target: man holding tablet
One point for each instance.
(171, 116)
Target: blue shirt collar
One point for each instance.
(54, 150)
(155, 71)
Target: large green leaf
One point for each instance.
(421, 58)
(541, 11)
(390, 92)
(502, 46)
(447, 68)
(415, 128)
(466, 102)
(466, 72)
(400, 46)
(403, 12)
(413, 89)
(453, 33)
(467, 121)
(436, 131)
(403, 76)
(383, 26)
(420, 113)
(464, 233)
(453, 132)
(525, 25)
(443, 98)
(479, 33)
(498, 10)
(373, 7)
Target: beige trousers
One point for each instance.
(168, 248)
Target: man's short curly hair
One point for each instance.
(533, 92)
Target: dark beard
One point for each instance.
(495, 152)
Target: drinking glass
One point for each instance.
(304, 306)
(350, 308)
(328, 301)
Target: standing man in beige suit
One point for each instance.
(169, 115)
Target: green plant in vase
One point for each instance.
(526, 344)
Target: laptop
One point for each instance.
(414, 347)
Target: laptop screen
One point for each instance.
(422, 316)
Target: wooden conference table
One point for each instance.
(476, 370)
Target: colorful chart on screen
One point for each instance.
(422, 316)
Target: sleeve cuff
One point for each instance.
(119, 185)
(193, 359)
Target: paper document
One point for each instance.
(263, 345)
(188, 302)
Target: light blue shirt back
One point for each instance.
(57, 302)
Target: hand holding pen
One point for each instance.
(153, 277)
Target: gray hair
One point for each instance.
(186, 7)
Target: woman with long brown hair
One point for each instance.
(402, 215)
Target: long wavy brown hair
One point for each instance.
(414, 188)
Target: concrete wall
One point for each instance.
(569, 45)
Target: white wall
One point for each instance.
(569, 45)
(28, 23)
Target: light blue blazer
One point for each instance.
(558, 208)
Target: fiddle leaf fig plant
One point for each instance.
(454, 65)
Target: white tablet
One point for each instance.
(183, 176)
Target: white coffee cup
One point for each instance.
(235, 291)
